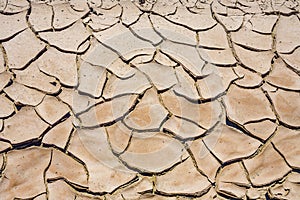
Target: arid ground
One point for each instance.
(149, 99)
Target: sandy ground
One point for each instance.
(160, 99)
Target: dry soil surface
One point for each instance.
(149, 99)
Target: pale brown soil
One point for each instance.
(154, 99)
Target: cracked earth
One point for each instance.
(165, 99)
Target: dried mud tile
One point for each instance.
(287, 142)
(215, 37)
(143, 28)
(287, 7)
(145, 6)
(128, 48)
(218, 8)
(118, 136)
(258, 61)
(133, 191)
(60, 65)
(37, 22)
(205, 161)
(68, 39)
(256, 193)
(263, 129)
(182, 128)
(266, 167)
(289, 189)
(7, 107)
(240, 107)
(205, 114)
(59, 134)
(186, 85)
(228, 3)
(136, 84)
(42, 196)
(288, 30)
(148, 113)
(216, 83)
(209, 68)
(231, 23)
(79, 6)
(76, 101)
(59, 189)
(24, 173)
(245, 36)
(140, 59)
(186, 55)
(283, 77)
(201, 21)
(293, 59)
(218, 57)
(105, 18)
(24, 95)
(178, 180)
(91, 79)
(164, 59)
(99, 55)
(123, 70)
(65, 15)
(95, 142)
(5, 78)
(98, 4)
(250, 7)
(232, 181)
(34, 78)
(164, 8)
(220, 142)
(247, 78)
(51, 109)
(3, 146)
(68, 95)
(210, 195)
(263, 23)
(13, 23)
(189, 3)
(172, 31)
(108, 111)
(107, 4)
(153, 152)
(266, 87)
(13, 6)
(286, 104)
(108, 13)
(266, 7)
(235, 11)
(162, 77)
(100, 23)
(2, 64)
(130, 12)
(17, 57)
(92, 148)
(24, 125)
(62, 165)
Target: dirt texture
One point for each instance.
(149, 99)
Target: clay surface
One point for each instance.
(149, 99)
